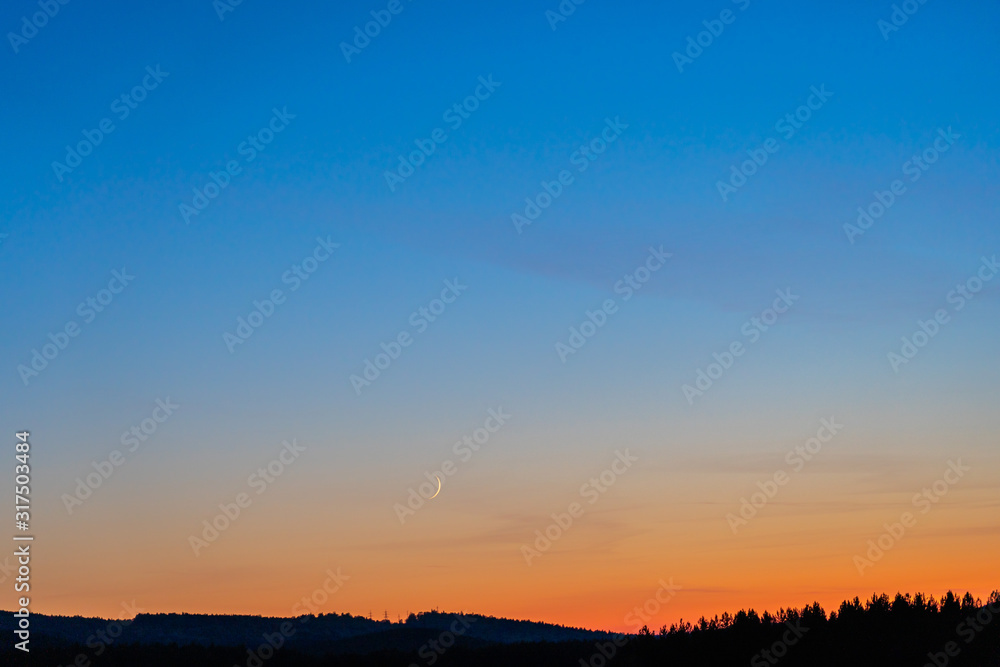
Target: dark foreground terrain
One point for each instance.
(904, 631)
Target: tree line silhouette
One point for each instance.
(904, 631)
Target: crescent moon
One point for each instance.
(439, 489)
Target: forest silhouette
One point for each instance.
(903, 630)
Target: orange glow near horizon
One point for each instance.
(450, 556)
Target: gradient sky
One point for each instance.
(656, 185)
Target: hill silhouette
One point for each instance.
(905, 630)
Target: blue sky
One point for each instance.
(656, 185)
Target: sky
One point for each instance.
(605, 271)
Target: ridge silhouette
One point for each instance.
(915, 630)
